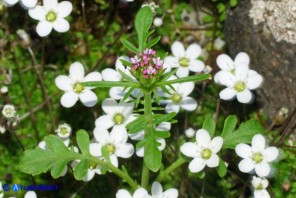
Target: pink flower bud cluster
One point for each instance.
(147, 63)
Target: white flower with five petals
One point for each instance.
(260, 185)
(51, 16)
(184, 60)
(115, 143)
(179, 97)
(139, 193)
(27, 4)
(74, 90)
(204, 151)
(117, 114)
(256, 156)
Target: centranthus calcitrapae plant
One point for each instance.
(143, 84)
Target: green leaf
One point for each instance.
(127, 95)
(125, 76)
(126, 63)
(201, 174)
(58, 170)
(153, 42)
(229, 125)
(194, 78)
(105, 153)
(167, 75)
(162, 134)
(129, 45)
(137, 125)
(243, 134)
(160, 118)
(141, 143)
(109, 84)
(83, 141)
(221, 7)
(143, 22)
(55, 143)
(209, 125)
(152, 157)
(222, 169)
(81, 169)
(233, 3)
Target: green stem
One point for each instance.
(148, 114)
(170, 169)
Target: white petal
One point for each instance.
(246, 165)
(203, 138)
(241, 71)
(43, 28)
(262, 169)
(93, 76)
(182, 72)
(64, 9)
(243, 150)
(178, 49)
(50, 4)
(193, 51)
(254, 81)
(109, 106)
(28, 3)
(224, 62)
(119, 65)
(188, 104)
(140, 152)
(76, 72)
(137, 136)
(102, 135)
(156, 189)
(89, 176)
(117, 93)
(125, 150)
(242, 58)
(216, 144)
(258, 143)
(164, 126)
(270, 154)
(95, 149)
(114, 160)
(227, 94)
(261, 194)
(213, 161)
(37, 13)
(171, 107)
(69, 99)
(245, 96)
(104, 121)
(217, 78)
(88, 98)
(129, 119)
(30, 194)
(140, 193)
(162, 143)
(61, 25)
(10, 2)
(111, 75)
(196, 66)
(185, 88)
(189, 149)
(171, 193)
(196, 165)
(227, 79)
(119, 134)
(123, 194)
(126, 108)
(64, 83)
(171, 61)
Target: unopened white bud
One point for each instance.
(2, 129)
(4, 90)
(219, 43)
(190, 132)
(8, 111)
(157, 21)
(64, 130)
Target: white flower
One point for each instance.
(157, 192)
(239, 84)
(225, 63)
(91, 171)
(165, 126)
(9, 111)
(64, 130)
(73, 88)
(157, 22)
(2, 129)
(115, 143)
(4, 90)
(117, 114)
(51, 16)
(179, 97)
(190, 132)
(30, 194)
(27, 4)
(219, 43)
(139, 193)
(256, 157)
(260, 185)
(203, 151)
(185, 61)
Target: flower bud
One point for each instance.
(190, 132)
(25, 38)
(157, 22)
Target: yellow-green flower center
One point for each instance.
(51, 16)
(92, 165)
(240, 86)
(257, 157)
(260, 187)
(233, 71)
(110, 148)
(176, 98)
(78, 88)
(118, 118)
(184, 62)
(206, 154)
(64, 130)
